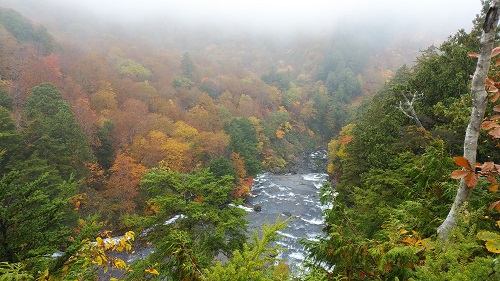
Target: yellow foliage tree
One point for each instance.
(185, 132)
(239, 165)
(92, 255)
(176, 156)
(336, 149)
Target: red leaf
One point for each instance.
(473, 55)
(492, 179)
(471, 179)
(490, 82)
(493, 205)
(493, 187)
(495, 51)
(486, 125)
(495, 133)
(462, 162)
(495, 117)
(492, 89)
(496, 108)
(458, 174)
(497, 63)
(487, 167)
(495, 97)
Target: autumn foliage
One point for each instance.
(129, 118)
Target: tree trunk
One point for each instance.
(479, 102)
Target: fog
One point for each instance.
(436, 17)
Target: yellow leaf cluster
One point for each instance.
(154, 208)
(492, 240)
(152, 271)
(280, 134)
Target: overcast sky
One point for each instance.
(443, 16)
(285, 13)
(295, 13)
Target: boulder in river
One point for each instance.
(257, 208)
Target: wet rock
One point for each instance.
(288, 214)
(257, 208)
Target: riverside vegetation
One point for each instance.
(161, 146)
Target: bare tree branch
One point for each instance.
(409, 110)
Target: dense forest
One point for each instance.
(113, 139)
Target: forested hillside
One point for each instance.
(394, 183)
(156, 134)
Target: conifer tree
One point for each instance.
(53, 131)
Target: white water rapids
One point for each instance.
(286, 195)
(289, 195)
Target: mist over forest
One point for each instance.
(136, 135)
(196, 24)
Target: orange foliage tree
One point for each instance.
(150, 150)
(208, 145)
(130, 122)
(122, 189)
(244, 182)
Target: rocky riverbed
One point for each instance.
(289, 195)
(292, 194)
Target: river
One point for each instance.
(291, 195)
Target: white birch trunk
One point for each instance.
(479, 102)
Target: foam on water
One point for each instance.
(314, 177)
(288, 195)
(248, 209)
(283, 188)
(297, 255)
(268, 195)
(314, 221)
(174, 219)
(284, 234)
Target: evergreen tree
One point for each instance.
(104, 152)
(31, 217)
(6, 100)
(222, 167)
(192, 222)
(395, 186)
(244, 141)
(10, 142)
(188, 68)
(24, 31)
(54, 132)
